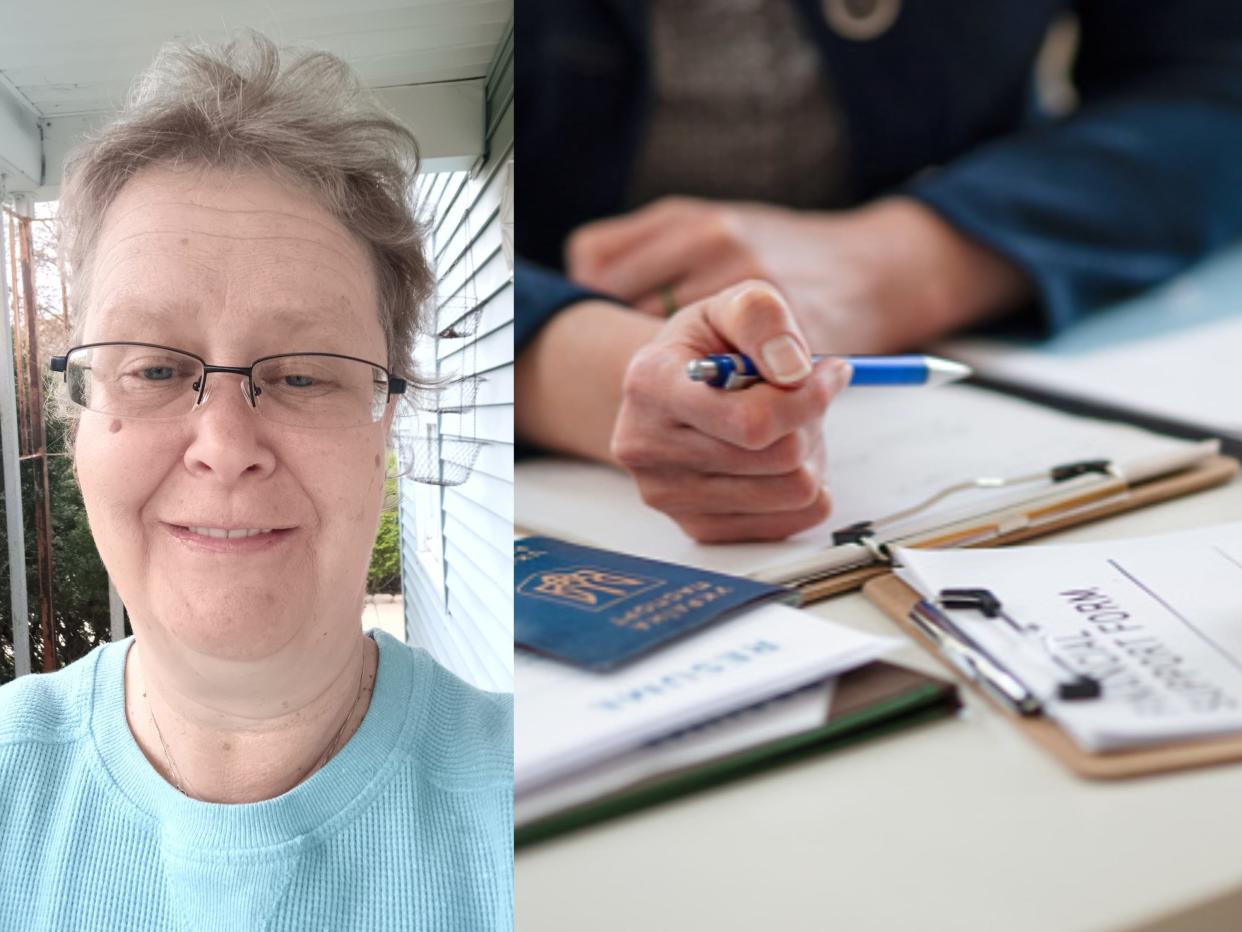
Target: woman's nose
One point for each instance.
(228, 437)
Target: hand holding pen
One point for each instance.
(737, 466)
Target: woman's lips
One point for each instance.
(211, 542)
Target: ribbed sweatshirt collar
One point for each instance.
(318, 806)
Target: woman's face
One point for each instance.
(231, 267)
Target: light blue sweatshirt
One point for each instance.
(408, 827)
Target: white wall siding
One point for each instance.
(459, 601)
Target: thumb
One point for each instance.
(754, 318)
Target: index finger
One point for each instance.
(752, 419)
(759, 416)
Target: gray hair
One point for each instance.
(310, 122)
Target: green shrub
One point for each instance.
(79, 583)
(384, 573)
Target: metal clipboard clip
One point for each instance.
(981, 665)
(875, 538)
(863, 532)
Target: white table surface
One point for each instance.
(960, 824)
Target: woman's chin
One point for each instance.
(231, 628)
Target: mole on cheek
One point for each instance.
(377, 460)
(114, 427)
(185, 241)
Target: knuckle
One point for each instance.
(675, 205)
(820, 391)
(650, 493)
(822, 507)
(808, 517)
(580, 246)
(627, 448)
(705, 532)
(758, 295)
(754, 427)
(721, 228)
(803, 488)
(641, 374)
(790, 452)
(758, 304)
(801, 446)
(658, 493)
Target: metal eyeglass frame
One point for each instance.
(396, 385)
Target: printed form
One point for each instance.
(1156, 620)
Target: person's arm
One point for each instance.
(571, 346)
(608, 383)
(882, 278)
(539, 295)
(569, 376)
(1142, 180)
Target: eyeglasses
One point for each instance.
(151, 382)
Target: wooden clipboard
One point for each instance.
(1211, 471)
(896, 599)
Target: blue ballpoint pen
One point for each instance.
(732, 371)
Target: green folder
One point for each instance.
(874, 700)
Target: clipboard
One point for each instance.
(897, 600)
(1081, 506)
(957, 475)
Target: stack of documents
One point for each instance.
(1155, 621)
(708, 707)
(639, 680)
(569, 721)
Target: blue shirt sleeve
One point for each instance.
(539, 293)
(1143, 179)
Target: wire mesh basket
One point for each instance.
(426, 455)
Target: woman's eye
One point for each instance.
(299, 381)
(157, 373)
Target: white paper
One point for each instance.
(888, 448)
(568, 719)
(1172, 353)
(779, 717)
(1158, 620)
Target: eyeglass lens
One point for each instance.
(150, 382)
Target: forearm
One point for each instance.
(1143, 180)
(924, 278)
(568, 382)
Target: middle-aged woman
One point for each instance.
(247, 274)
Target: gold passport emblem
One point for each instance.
(586, 587)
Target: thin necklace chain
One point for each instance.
(331, 749)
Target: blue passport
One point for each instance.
(598, 609)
